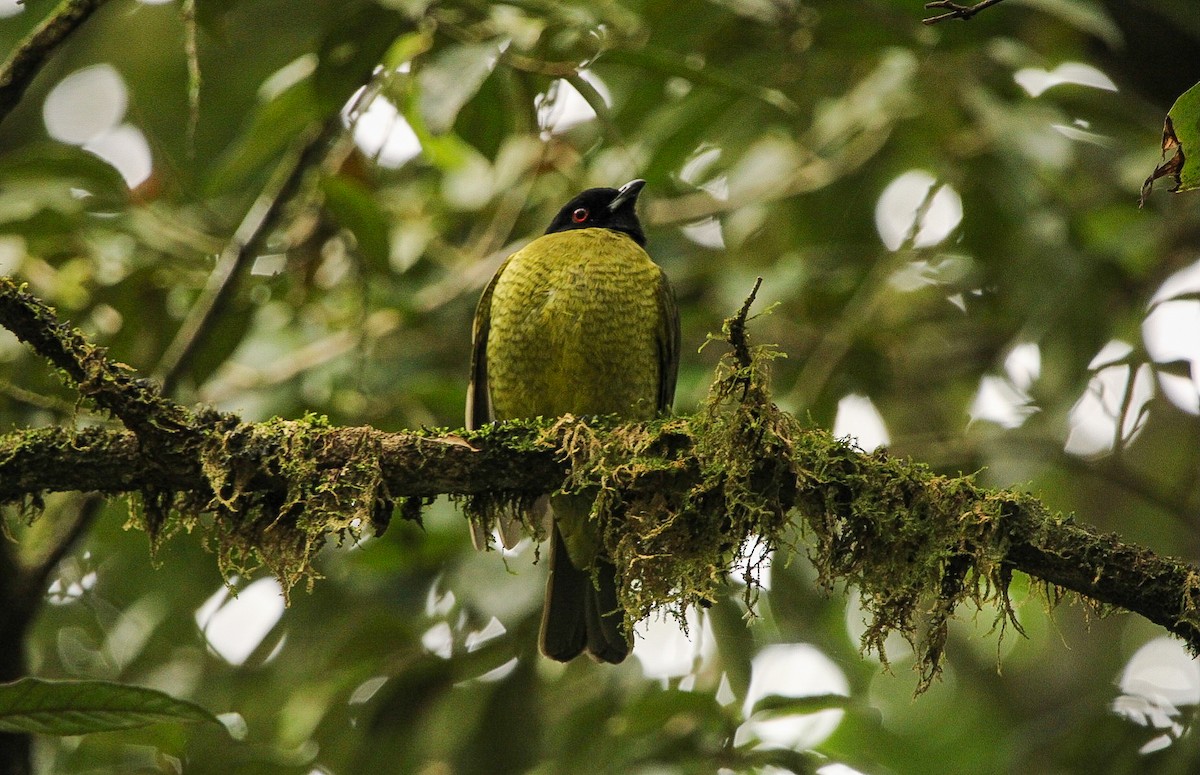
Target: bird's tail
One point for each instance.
(580, 615)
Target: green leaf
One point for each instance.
(1084, 16)
(350, 52)
(67, 167)
(407, 48)
(665, 62)
(274, 127)
(356, 209)
(52, 191)
(779, 705)
(80, 707)
(450, 80)
(346, 59)
(446, 151)
(650, 713)
(1181, 134)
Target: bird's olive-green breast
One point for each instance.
(574, 324)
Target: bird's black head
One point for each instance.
(603, 208)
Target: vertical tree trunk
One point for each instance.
(15, 616)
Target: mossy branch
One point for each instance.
(138, 403)
(679, 498)
(873, 515)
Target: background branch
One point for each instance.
(26, 60)
(956, 11)
(247, 243)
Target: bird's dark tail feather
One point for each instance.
(580, 615)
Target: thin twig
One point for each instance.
(247, 242)
(1126, 404)
(514, 60)
(37, 400)
(289, 366)
(192, 52)
(737, 330)
(26, 60)
(595, 100)
(956, 11)
(663, 61)
(837, 340)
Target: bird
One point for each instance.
(580, 321)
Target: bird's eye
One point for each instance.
(580, 215)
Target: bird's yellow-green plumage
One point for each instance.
(581, 321)
(574, 327)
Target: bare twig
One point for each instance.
(956, 11)
(37, 400)
(191, 50)
(26, 60)
(661, 60)
(837, 340)
(736, 330)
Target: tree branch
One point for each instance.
(680, 495)
(26, 60)
(956, 11)
(524, 458)
(112, 462)
(136, 402)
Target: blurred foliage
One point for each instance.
(768, 131)
(83, 707)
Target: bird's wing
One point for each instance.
(668, 343)
(479, 399)
(479, 409)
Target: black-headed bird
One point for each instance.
(581, 321)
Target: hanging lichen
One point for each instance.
(282, 527)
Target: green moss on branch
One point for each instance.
(679, 501)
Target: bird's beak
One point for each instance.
(627, 193)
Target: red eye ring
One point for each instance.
(580, 215)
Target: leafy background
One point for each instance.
(769, 132)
